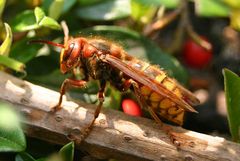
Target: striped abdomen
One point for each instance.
(163, 106)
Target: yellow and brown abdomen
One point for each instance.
(163, 106)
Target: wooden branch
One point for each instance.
(115, 135)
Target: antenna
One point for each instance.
(47, 42)
(65, 31)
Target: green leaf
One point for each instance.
(12, 138)
(107, 10)
(55, 9)
(39, 14)
(23, 156)
(48, 75)
(170, 3)
(12, 64)
(6, 45)
(29, 20)
(28, 51)
(140, 47)
(142, 13)
(2, 5)
(54, 157)
(68, 5)
(212, 8)
(166, 3)
(67, 152)
(45, 21)
(232, 92)
(24, 21)
(51, 23)
(88, 3)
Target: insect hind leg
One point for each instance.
(167, 129)
(143, 103)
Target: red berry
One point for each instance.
(195, 55)
(130, 107)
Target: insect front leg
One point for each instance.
(65, 86)
(101, 97)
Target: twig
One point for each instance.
(200, 41)
(161, 22)
(114, 135)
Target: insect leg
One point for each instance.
(141, 100)
(65, 85)
(98, 109)
(143, 103)
(167, 129)
(100, 99)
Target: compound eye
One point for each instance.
(68, 52)
(71, 46)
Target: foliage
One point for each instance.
(12, 138)
(221, 8)
(120, 21)
(232, 89)
(66, 153)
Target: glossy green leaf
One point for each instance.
(39, 14)
(48, 75)
(140, 47)
(67, 152)
(28, 51)
(46, 4)
(51, 23)
(142, 13)
(170, 3)
(54, 157)
(12, 138)
(23, 156)
(166, 3)
(107, 10)
(232, 92)
(5, 47)
(2, 5)
(88, 3)
(52, 80)
(212, 8)
(24, 21)
(68, 5)
(45, 21)
(12, 64)
(55, 9)
(29, 20)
